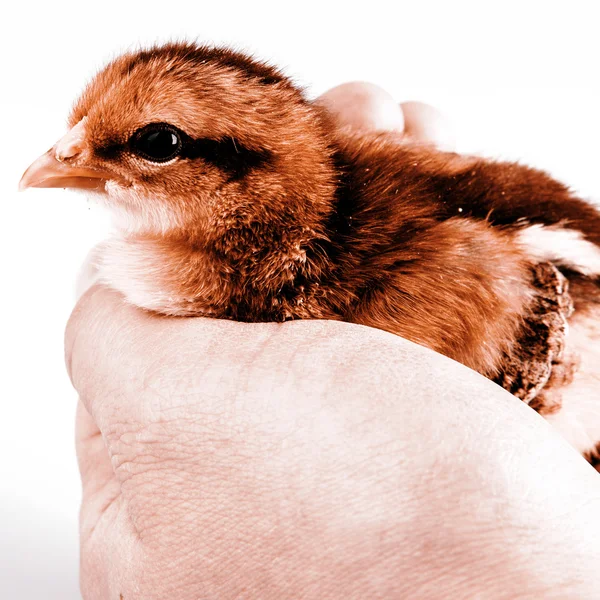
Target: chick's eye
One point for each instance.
(157, 143)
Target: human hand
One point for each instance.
(364, 106)
(312, 460)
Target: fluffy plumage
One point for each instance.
(267, 213)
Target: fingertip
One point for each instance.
(363, 106)
(359, 105)
(97, 316)
(110, 347)
(76, 323)
(426, 124)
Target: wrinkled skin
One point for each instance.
(314, 460)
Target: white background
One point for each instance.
(518, 80)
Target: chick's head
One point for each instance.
(196, 141)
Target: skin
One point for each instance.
(314, 459)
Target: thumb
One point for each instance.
(128, 364)
(106, 354)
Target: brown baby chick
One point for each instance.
(235, 197)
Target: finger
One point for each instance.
(103, 349)
(92, 457)
(426, 124)
(363, 106)
(99, 485)
(122, 359)
(105, 529)
(99, 333)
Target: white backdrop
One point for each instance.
(518, 80)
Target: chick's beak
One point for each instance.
(48, 172)
(61, 166)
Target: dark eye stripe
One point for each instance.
(227, 154)
(161, 142)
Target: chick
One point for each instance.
(235, 197)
